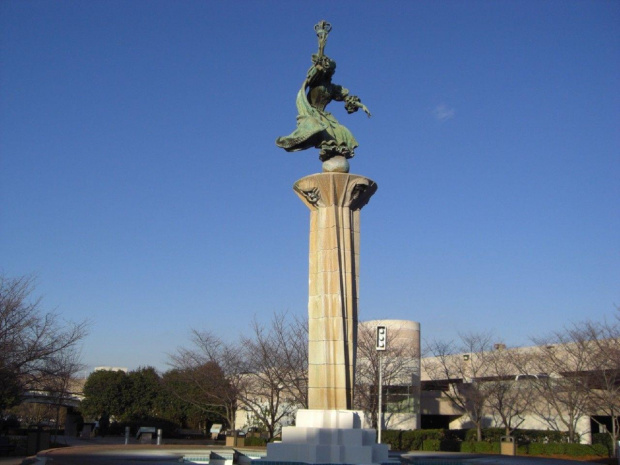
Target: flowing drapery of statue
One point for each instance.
(316, 127)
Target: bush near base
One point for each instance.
(522, 436)
(603, 439)
(529, 442)
(255, 442)
(482, 447)
(444, 445)
(572, 450)
(414, 439)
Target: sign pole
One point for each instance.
(380, 415)
(381, 346)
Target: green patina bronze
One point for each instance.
(315, 126)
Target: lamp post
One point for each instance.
(381, 347)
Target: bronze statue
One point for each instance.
(315, 126)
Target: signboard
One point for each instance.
(381, 337)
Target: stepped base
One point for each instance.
(327, 437)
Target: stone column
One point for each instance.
(335, 201)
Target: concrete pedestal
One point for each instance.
(327, 437)
(329, 432)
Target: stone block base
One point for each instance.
(327, 437)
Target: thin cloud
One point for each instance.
(443, 112)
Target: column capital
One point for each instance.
(335, 189)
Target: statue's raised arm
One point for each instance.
(322, 29)
(315, 126)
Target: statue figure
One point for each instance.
(315, 126)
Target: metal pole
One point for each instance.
(126, 435)
(381, 346)
(380, 415)
(159, 435)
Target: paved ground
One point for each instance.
(448, 458)
(113, 451)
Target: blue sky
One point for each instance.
(140, 182)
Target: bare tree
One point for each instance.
(601, 342)
(266, 374)
(559, 369)
(464, 367)
(32, 343)
(400, 364)
(509, 394)
(290, 338)
(275, 381)
(60, 378)
(32, 413)
(211, 373)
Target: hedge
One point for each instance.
(529, 442)
(572, 450)
(522, 436)
(253, 441)
(604, 439)
(480, 447)
(444, 445)
(413, 439)
(433, 445)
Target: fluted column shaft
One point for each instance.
(335, 201)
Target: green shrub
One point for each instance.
(605, 440)
(412, 439)
(522, 449)
(254, 441)
(450, 445)
(528, 436)
(601, 438)
(433, 445)
(467, 446)
(522, 436)
(572, 450)
(457, 434)
(545, 449)
(579, 450)
(393, 438)
(480, 447)
(532, 442)
(488, 434)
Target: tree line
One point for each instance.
(143, 397)
(264, 375)
(570, 374)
